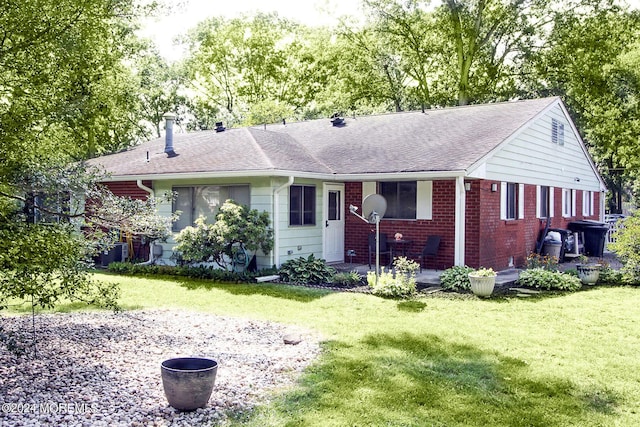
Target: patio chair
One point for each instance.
(430, 249)
(385, 249)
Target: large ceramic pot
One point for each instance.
(588, 273)
(188, 381)
(482, 286)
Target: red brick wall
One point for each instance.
(498, 240)
(490, 241)
(442, 224)
(131, 189)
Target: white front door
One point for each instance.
(333, 223)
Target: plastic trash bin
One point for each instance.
(552, 248)
(595, 235)
(565, 237)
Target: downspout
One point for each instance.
(459, 233)
(151, 194)
(145, 188)
(275, 254)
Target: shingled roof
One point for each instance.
(439, 140)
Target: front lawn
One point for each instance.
(562, 360)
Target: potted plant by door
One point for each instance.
(588, 272)
(482, 281)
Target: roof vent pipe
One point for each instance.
(170, 118)
(337, 120)
(219, 127)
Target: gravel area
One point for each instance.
(103, 369)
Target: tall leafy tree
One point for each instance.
(65, 94)
(411, 51)
(237, 63)
(592, 61)
(160, 87)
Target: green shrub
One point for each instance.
(627, 248)
(402, 284)
(199, 272)
(352, 278)
(609, 276)
(311, 270)
(456, 278)
(550, 280)
(236, 227)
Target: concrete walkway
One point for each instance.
(505, 278)
(432, 277)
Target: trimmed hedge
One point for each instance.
(199, 272)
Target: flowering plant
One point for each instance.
(398, 236)
(483, 272)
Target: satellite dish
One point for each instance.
(374, 204)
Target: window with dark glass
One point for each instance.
(334, 206)
(544, 202)
(196, 201)
(401, 199)
(512, 200)
(302, 205)
(49, 208)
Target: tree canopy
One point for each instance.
(76, 82)
(66, 93)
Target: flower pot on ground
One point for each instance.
(188, 381)
(588, 273)
(482, 281)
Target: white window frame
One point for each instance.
(306, 207)
(191, 214)
(568, 202)
(519, 201)
(588, 203)
(424, 198)
(550, 201)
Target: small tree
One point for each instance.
(236, 227)
(47, 259)
(627, 248)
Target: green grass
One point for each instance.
(563, 360)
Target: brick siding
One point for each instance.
(490, 241)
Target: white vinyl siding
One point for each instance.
(530, 158)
